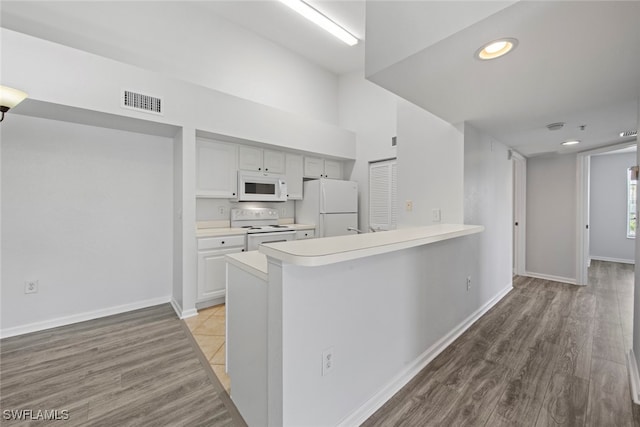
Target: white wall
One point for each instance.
(608, 208)
(86, 81)
(371, 112)
(430, 167)
(551, 216)
(186, 41)
(424, 289)
(488, 201)
(88, 213)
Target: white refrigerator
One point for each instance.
(330, 204)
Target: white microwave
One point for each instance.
(261, 187)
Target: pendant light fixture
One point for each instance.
(9, 98)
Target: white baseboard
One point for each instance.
(569, 280)
(182, 314)
(608, 259)
(634, 378)
(81, 317)
(402, 378)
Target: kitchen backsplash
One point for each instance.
(219, 209)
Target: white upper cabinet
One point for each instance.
(259, 160)
(316, 167)
(294, 166)
(274, 161)
(250, 158)
(332, 169)
(313, 167)
(216, 173)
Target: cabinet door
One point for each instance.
(216, 174)
(294, 176)
(333, 169)
(313, 167)
(250, 159)
(212, 273)
(274, 161)
(305, 234)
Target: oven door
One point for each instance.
(255, 239)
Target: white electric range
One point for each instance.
(262, 226)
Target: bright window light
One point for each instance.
(632, 183)
(322, 21)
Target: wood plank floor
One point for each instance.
(141, 368)
(548, 354)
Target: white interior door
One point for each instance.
(519, 213)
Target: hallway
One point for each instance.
(547, 354)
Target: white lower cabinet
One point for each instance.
(305, 234)
(212, 275)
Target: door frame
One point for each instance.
(520, 212)
(583, 177)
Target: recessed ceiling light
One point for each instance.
(571, 142)
(496, 48)
(321, 20)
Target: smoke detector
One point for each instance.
(555, 126)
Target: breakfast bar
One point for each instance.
(324, 331)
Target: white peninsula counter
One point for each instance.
(381, 305)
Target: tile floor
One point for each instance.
(208, 328)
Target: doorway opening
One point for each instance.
(602, 222)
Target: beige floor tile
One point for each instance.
(201, 317)
(220, 357)
(209, 344)
(214, 325)
(222, 376)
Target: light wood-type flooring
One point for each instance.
(141, 368)
(548, 354)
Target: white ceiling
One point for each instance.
(577, 62)
(276, 22)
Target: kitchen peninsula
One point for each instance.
(323, 331)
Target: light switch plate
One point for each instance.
(436, 215)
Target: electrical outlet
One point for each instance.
(327, 361)
(436, 215)
(31, 287)
(408, 205)
(468, 283)
(221, 210)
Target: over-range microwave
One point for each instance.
(261, 187)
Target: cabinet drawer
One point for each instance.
(220, 242)
(305, 234)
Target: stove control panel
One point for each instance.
(251, 214)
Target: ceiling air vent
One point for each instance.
(141, 102)
(628, 133)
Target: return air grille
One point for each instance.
(140, 102)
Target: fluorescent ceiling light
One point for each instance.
(628, 133)
(496, 48)
(322, 21)
(571, 142)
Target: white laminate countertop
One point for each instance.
(330, 250)
(252, 262)
(226, 231)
